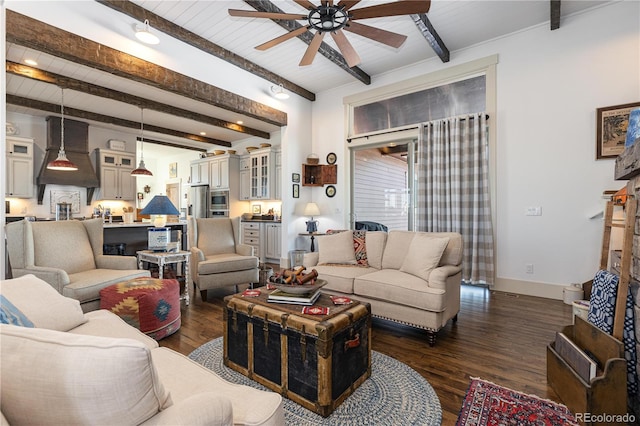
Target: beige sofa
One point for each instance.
(68, 255)
(412, 278)
(60, 366)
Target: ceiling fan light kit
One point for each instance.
(145, 35)
(333, 18)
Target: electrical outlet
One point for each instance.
(534, 211)
(528, 268)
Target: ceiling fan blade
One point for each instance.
(402, 7)
(347, 50)
(306, 4)
(270, 15)
(348, 4)
(307, 59)
(381, 36)
(269, 44)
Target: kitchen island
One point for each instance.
(135, 235)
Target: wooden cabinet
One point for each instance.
(19, 167)
(200, 172)
(273, 244)
(319, 174)
(116, 182)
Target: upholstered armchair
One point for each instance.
(68, 255)
(218, 258)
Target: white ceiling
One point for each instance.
(460, 24)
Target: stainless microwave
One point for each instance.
(219, 200)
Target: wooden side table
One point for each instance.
(162, 258)
(313, 236)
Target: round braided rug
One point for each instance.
(394, 394)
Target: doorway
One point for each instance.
(173, 192)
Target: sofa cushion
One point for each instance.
(424, 255)
(376, 241)
(51, 377)
(399, 287)
(41, 304)
(64, 245)
(396, 249)
(336, 249)
(226, 262)
(359, 245)
(107, 324)
(340, 277)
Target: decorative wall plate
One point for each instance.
(70, 197)
(330, 191)
(331, 158)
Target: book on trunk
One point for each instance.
(576, 357)
(279, 296)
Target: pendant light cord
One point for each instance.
(62, 120)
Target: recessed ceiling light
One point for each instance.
(30, 62)
(203, 133)
(239, 122)
(392, 144)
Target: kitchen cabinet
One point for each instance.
(245, 191)
(273, 242)
(19, 167)
(319, 174)
(116, 182)
(278, 175)
(219, 173)
(261, 174)
(251, 236)
(200, 172)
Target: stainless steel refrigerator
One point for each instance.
(199, 201)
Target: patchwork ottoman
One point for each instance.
(149, 304)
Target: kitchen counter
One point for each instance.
(136, 236)
(140, 224)
(261, 220)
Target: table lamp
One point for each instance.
(159, 207)
(312, 209)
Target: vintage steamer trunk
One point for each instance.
(316, 361)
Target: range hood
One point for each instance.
(76, 145)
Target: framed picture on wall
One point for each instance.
(295, 177)
(296, 190)
(611, 129)
(173, 170)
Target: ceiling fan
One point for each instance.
(333, 18)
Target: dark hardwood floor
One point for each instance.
(499, 337)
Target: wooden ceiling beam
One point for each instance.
(186, 36)
(554, 11)
(37, 35)
(325, 50)
(171, 144)
(87, 115)
(429, 32)
(103, 92)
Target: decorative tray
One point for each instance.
(300, 289)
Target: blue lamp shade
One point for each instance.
(160, 204)
(633, 128)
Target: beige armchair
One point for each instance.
(68, 255)
(217, 256)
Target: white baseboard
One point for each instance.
(529, 288)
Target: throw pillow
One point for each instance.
(360, 247)
(336, 248)
(424, 255)
(9, 314)
(51, 377)
(41, 304)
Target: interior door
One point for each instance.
(173, 192)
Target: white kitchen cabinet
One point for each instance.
(19, 167)
(277, 176)
(251, 233)
(245, 191)
(200, 172)
(219, 173)
(261, 170)
(116, 182)
(273, 242)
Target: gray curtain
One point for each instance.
(453, 189)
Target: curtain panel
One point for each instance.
(453, 189)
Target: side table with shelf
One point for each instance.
(162, 258)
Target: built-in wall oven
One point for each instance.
(218, 203)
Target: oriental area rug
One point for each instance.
(488, 404)
(394, 394)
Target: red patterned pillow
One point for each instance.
(359, 246)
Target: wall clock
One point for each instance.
(330, 191)
(331, 158)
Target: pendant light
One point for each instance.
(145, 35)
(62, 163)
(141, 170)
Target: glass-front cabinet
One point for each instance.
(259, 175)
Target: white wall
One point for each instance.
(549, 84)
